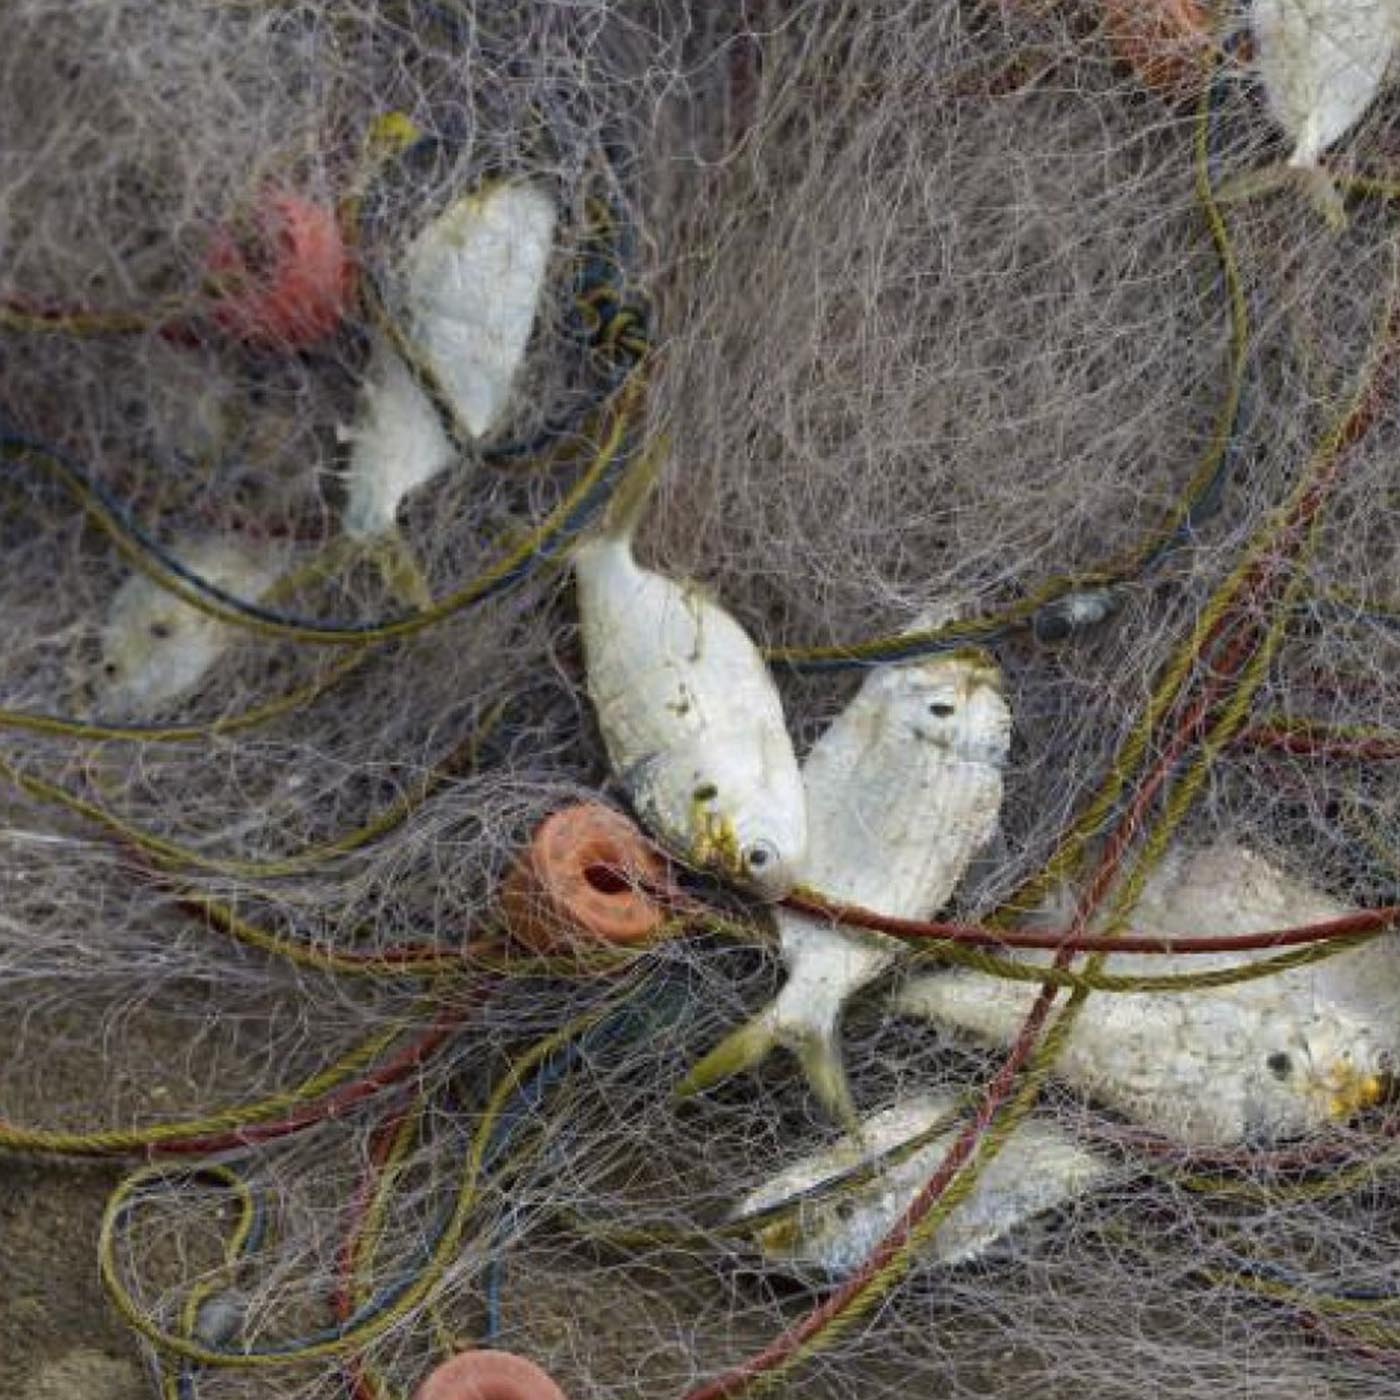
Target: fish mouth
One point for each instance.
(1351, 1091)
(755, 862)
(716, 842)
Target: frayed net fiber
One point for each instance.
(1052, 341)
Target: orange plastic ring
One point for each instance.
(304, 281)
(584, 880)
(488, 1375)
(1167, 43)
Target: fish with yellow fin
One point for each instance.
(903, 790)
(1247, 1063)
(689, 713)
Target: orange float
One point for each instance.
(1167, 43)
(584, 881)
(293, 286)
(488, 1375)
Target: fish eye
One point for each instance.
(160, 630)
(109, 669)
(1279, 1064)
(760, 856)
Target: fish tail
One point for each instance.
(741, 1050)
(816, 1050)
(633, 493)
(399, 568)
(1250, 184)
(821, 1062)
(1322, 193)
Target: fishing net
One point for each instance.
(968, 311)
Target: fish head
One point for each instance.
(826, 1236)
(954, 702)
(750, 826)
(1328, 1073)
(756, 848)
(153, 648)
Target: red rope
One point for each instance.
(333, 1106)
(1058, 940)
(343, 1300)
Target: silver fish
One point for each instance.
(1322, 63)
(903, 790)
(834, 1206)
(156, 648)
(1251, 1062)
(689, 713)
(473, 279)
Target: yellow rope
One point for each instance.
(139, 556)
(1013, 971)
(171, 853)
(429, 963)
(115, 1142)
(57, 726)
(444, 1251)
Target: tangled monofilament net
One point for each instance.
(943, 314)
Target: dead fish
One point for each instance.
(156, 648)
(903, 790)
(475, 277)
(1322, 63)
(688, 711)
(834, 1206)
(1253, 1062)
(472, 285)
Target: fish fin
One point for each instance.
(400, 570)
(1322, 193)
(750, 1045)
(1250, 184)
(633, 493)
(1317, 185)
(755, 1040)
(826, 1073)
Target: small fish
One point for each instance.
(903, 790)
(688, 711)
(156, 648)
(1252, 1062)
(1322, 63)
(473, 280)
(834, 1206)
(475, 277)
